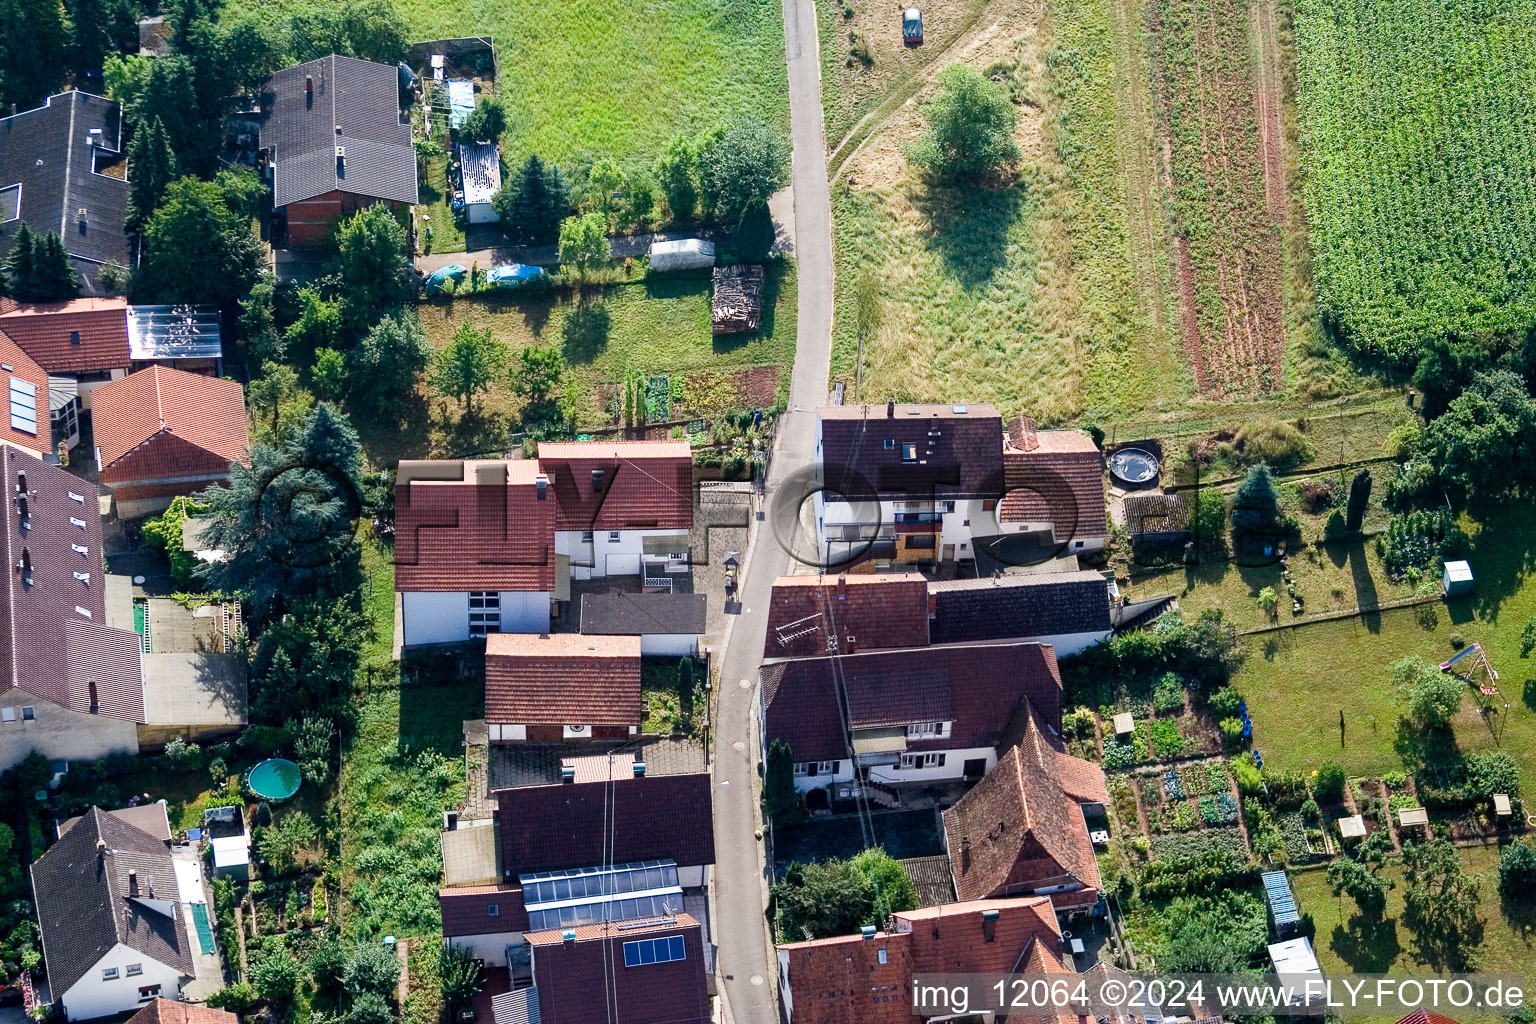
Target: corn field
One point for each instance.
(1419, 129)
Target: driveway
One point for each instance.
(745, 968)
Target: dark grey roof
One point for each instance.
(48, 153)
(1132, 614)
(912, 452)
(516, 765)
(360, 98)
(1019, 605)
(931, 878)
(639, 614)
(520, 1006)
(1156, 513)
(84, 905)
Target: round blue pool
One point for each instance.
(274, 779)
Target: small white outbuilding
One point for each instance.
(681, 254)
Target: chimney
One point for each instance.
(541, 483)
(965, 853)
(890, 408)
(853, 647)
(568, 773)
(868, 931)
(309, 86)
(101, 847)
(568, 936)
(133, 882)
(639, 769)
(842, 586)
(989, 925)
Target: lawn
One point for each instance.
(434, 211)
(1345, 943)
(1298, 681)
(659, 326)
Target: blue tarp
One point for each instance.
(461, 100)
(442, 275)
(510, 274)
(1277, 889)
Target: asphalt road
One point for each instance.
(745, 964)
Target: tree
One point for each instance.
(370, 267)
(287, 520)
(372, 967)
(891, 888)
(154, 168)
(304, 664)
(1484, 443)
(818, 901)
(584, 242)
(312, 749)
(1493, 772)
(1210, 518)
(1445, 370)
(1528, 637)
(1255, 506)
(1268, 599)
(1517, 873)
(258, 324)
(366, 29)
(1354, 879)
(639, 206)
(328, 376)
(39, 269)
(1440, 901)
(1328, 787)
(198, 245)
(745, 164)
(276, 385)
(754, 235)
(471, 363)
(485, 123)
(460, 972)
(532, 205)
(1359, 498)
(538, 371)
(386, 363)
(90, 35)
(677, 177)
(318, 324)
(781, 800)
(1433, 696)
(604, 189)
(167, 88)
(281, 844)
(276, 974)
(970, 125)
(34, 46)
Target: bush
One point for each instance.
(754, 235)
(1433, 696)
(372, 967)
(1277, 444)
(1328, 787)
(1310, 810)
(1224, 702)
(276, 974)
(970, 125)
(1168, 695)
(1517, 872)
(1336, 526)
(236, 998)
(1231, 732)
(1250, 781)
(1316, 495)
(183, 756)
(370, 1008)
(218, 771)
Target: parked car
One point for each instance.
(912, 27)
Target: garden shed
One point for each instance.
(480, 164)
(1457, 579)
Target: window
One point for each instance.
(922, 540)
(890, 444)
(989, 505)
(800, 766)
(909, 451)
(928, 730)
(826, 767)
(148, 992)
(109, 974)
(597, 481)
(922, 760)
(654, 951)
(135, 969)
(28, 713)
(484, 612)
(613, 536)
(23, 405)
(586, 536)
(493, 910)
(74, 337)
(9, 715)
(883, 956)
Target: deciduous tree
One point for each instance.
(370, 268)
(386, 363)
(198, 245)
(471, 363)
(677, 176)
(970, 125)
(1440, 902)
(1359, 499)
(1433, 696)
(745, 164)
(584, 242)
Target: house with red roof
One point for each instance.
(484, 546)
(27, 427)
(547, 688)
(928, 484)
(868, 978)
(914, 716)
(162, 432)
(1021, 830)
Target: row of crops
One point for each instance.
(1419, 124)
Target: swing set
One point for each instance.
(1479, 672)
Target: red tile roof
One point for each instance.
(206, 412)
(43, 331)
(562, 679)
(645, 484)
(841, 980)
(810, 616)
(170, 1011)
(1054, 476)
(978, 687)
(587, 982)
(472, 525)
(466, 909)
(1018, 828)
(18, 364)
(576, 824)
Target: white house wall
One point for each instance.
(1068, 644)
(60, 734)
(952, 768)
(842, 773)
(439, 617)
(92, 997)
(522, 611)
(673, 645)
(605, 557)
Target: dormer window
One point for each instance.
(909, 451)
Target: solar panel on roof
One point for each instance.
(1277, 889)
(23, 405)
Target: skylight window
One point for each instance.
(23, 405)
